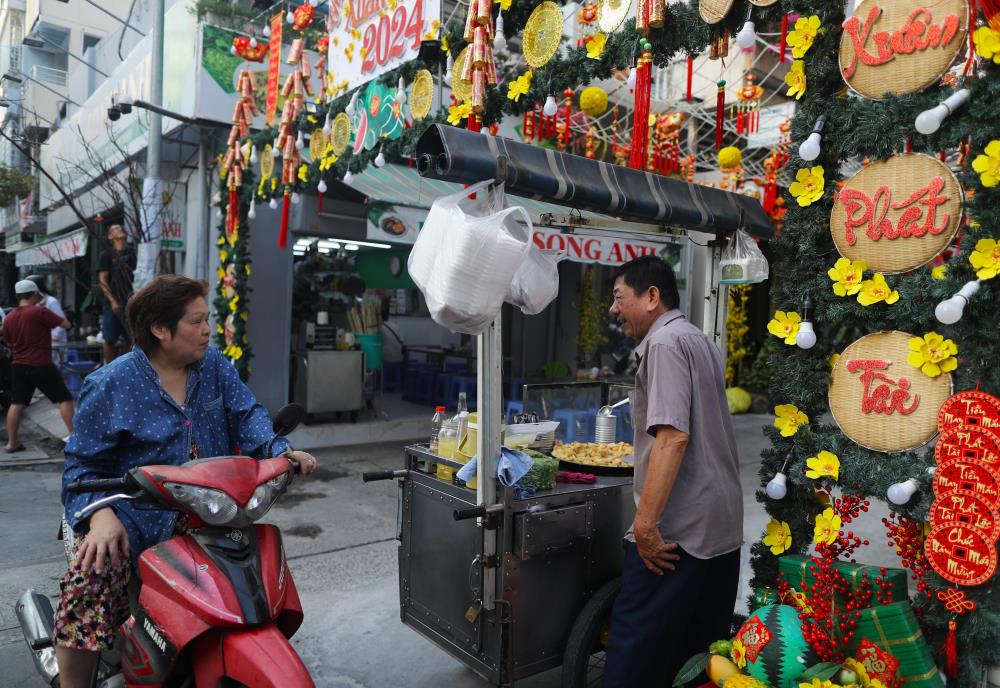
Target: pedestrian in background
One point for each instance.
(28, 332)
(115, 272)
(59, 337)
(681, 568)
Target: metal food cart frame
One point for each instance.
(543, 567)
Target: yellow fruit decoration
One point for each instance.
(730, 158)
(743, 681)
(720, 669)
(594, 101)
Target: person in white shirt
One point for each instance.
(59, 336)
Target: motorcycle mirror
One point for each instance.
(287, 419)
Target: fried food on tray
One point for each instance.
(593, 454)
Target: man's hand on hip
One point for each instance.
(657, 555)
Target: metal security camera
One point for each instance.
(125, 104)
(114, 114)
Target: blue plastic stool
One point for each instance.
(418, 386)
(515, 388)
(568, 421)
(392, 377)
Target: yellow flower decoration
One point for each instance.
(785, 325)
(986, 258)
(235, 303)
(846, 275)
(234, 352)
(744, 681)
(796, 80)
(801, 38)
(933, 354)
(303, 172)
(817, 683)
(788, 418)
(459, 113)
(823, 465)
(595, 45)
(939, 272)
(218, 328)
(827, 527)
(808, 185)
(988, 164)
(877, 289)
(730, 157)
(739, 653)
(987, 43)
(779, 536)
(864, 680)
(223, 256)
(519, 86)
(505, 4)
(220, 273)
(832, 361)
(444, 38)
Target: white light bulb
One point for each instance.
(631, 78)
(321, 187)
(900, 493)
(296, 197)
(930, 121)
(272, 204)
(232, 50)
(352, 106)
(449, 69)
(810, 148)
(252, 213)
(806, 337)
(400, 89)
(499, 40)
(550, 108)
(290, 17)
(747, 36)
(777, 488)
(314, 3)
(348, 177)
(267, 30)
(379, 160)
(245, 149)
(253, 154)
(327, 127)
(949, 311)
(299, 142)
(253, 42)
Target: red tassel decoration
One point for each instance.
(640, 122)
(950, 648)
(690, 76)
(720, 112)
(474, 123)
(972, 22)
(991, 10)
(232, 212)
(286, 206)
(783, 46)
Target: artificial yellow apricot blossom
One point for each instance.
(779, 536)
(988, 164)
(519, 86)
(785, 325)
(801, 38)
(459, 113)
(827, 527)
(788, 418)
(846, 275)
(823, 465)
(796, 80)
(933, 354)
(987, 42)
(595, 45)
(939, 272)
(986, 258)
(877, 289)
(808, 185)
(820, 683)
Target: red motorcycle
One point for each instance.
(217, 604)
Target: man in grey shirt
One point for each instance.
(680, 571)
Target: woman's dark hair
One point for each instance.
(161, 302)
(651, 271)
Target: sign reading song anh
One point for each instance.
(901, 46)
(882, 402)
(898, 214)
(371, 37)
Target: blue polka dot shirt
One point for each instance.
(126, 419)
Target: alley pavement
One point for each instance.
(340, 539)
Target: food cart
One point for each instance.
(513, 587)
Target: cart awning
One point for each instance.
(458, 155)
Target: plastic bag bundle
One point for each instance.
(536, 282)
(742, 261)
(467, 254)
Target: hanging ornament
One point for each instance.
(500, 40)
(594, 101)
(421, 94)
(589, 146)
(272, 204)
(479, 68)
(748, 105)
(640, 122)
(303, 16)
(252, 212)
(248, 49)
(611, 14)
(690, 77)
(266, 162)
(720, 112)
(340, 134)
(747, 36)
(290, 142)
(461, 89)
(237, 156)
(542, 34)
(528, 127)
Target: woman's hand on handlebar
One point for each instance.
(107, 537)
(304, 462)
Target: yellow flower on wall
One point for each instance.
(788, 418)
(801, 38)
(779, 536)
(823, 465)
(796, 80)
(827, 527)
(459, 113)
(933, 354)
(519, 86)
(987, 42)
(595, 45)
(939, 272)
(846, 275)
(986, 258)
(785, 325)
(988, 164)
(877, 289)
(808, 185)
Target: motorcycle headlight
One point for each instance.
(265, 495)
(212, 506)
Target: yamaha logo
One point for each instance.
(236, 535)
(154, 635)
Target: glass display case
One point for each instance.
(575, 406)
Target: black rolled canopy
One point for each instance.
(458, 155)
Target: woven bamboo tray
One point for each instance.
(714, 11)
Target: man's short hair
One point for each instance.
(161, 302)
(651, 271)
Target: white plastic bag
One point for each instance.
(466, 255)
(742, 261)
(536, 283)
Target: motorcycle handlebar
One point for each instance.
(369, 476)
(471, 512)
(98, 485)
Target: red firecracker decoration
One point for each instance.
(567, 113)
(720, 112)
(783, 45)
(243, 114)
(294, 90)
(640, 121)
(480, 68)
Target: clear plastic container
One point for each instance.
(447, 447)
(436, 423)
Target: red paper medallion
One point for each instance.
(960, 554)
(970, 408)
(965, 507)
(754, 636)
(877, 662)
(969, 477)
(969, 443)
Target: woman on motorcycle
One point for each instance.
(171, 399)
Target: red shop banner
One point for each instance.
(583, 248)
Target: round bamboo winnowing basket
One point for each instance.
(714, 11)
(902, 176)
(888, 432)
(763, 3)
(903, 73)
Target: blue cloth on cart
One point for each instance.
(511, 467)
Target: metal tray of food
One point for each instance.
(599, 459)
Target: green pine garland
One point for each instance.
(861, 128)
(235, 259)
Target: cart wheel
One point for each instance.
(583, 661)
